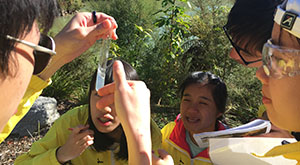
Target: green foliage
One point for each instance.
(164, 42)
(244, 95)
(70, 6)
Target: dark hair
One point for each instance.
(102, 141)
(251, 21)
(219, 90)
(17, 18)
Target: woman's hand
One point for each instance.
(78, 36)
(80, 138)
(163, 159)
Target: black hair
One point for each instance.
(219, 89)
(251, 22)
(17, 18)
(102, 141)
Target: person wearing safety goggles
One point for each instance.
(248, 27)
(28, 57)
(248, 37)
(280, 76)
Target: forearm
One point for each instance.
(139, 145)
(56, 63)
(45, 158)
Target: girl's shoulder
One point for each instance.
(74, 117)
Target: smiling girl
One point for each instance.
(203, 100)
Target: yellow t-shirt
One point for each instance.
(43, 151)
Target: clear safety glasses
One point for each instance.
(280, 61)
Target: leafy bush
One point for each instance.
(164, 44)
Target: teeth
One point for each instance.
(104, 120)
(192, 119)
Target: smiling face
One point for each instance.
(105, 120)
(198, 109)
(281, 96)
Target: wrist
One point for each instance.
(54, 64)
(60, 157)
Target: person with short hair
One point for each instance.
(28, 57)
(249, 26)
(280, 78)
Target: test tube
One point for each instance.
(104, 52)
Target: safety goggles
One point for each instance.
(42, 52)
(239, 50)
(280, 61)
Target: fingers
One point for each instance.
(119, 75)
(101, 17)
(81, 131)
(110, 88)
(164, 154)
(86, 141)
(106, 26)
(106, 100)
(107, 89)
(80, 128)
(164, 158)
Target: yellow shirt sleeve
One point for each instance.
(33, 91)
(155, 136)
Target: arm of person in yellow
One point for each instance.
(155, 136)
(43, 151)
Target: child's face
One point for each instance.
(198, 109)
(282, 96)
(105, 119)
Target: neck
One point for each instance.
(116, 134)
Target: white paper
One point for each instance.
(237, 151)
(257, 126)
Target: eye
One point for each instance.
(186, 100)
(203, 103)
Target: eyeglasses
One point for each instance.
(280, 61)
(238, 49)
(42, 52)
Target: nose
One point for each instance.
(193, 107)
(106, 109)
(261, 75)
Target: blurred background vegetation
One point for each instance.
(164, 40)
